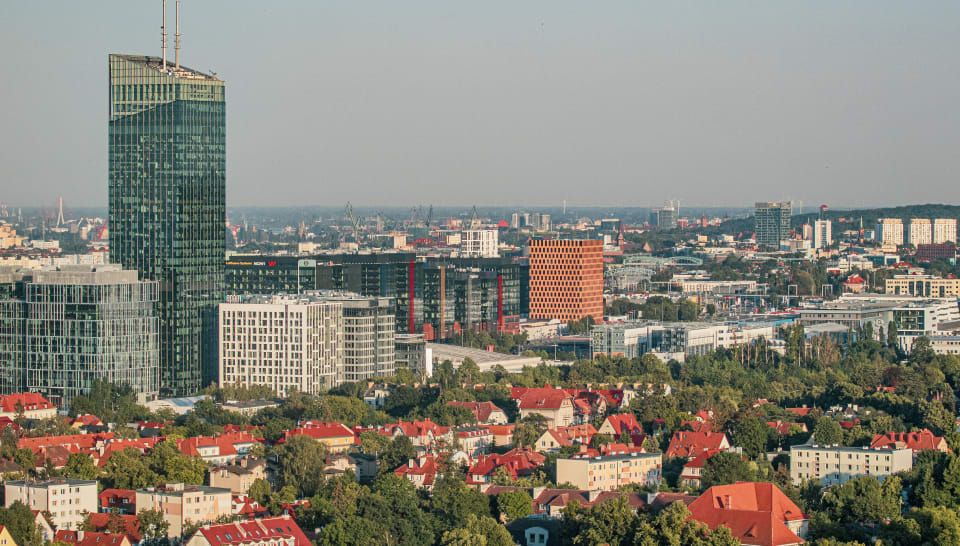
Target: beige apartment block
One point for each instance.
(838, 464)
(67, 500)
(240, 476)
(184, 504)
(610, 472)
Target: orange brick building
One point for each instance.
(566, 279)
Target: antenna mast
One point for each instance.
(163, 34)
(176, 37)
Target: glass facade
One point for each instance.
(167, 178)
(62, 330)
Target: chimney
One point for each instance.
(176, 37)
(163, 34)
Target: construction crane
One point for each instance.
(355, 220)
(474, 218)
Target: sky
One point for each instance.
(850, 103)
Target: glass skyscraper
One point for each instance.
(167, 177)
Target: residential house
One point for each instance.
(687, 443)
(502, 434)
(487, 413)
(131, 524)
(555, 438)
(610, 472)
(238, 476)
(757, 514)
(33, 405)
(120, 501)
(422, 434)
(218, 449)
(66, 499)
(337, 437)
(693, 469)
(783, 428)
(473, 440)
(917, 441)
(549, 502)
(518, 463)
(6, 539)
(184, 504)
(422, 471)
(91, 538)
(376, 395)
(555, 405)
(276, 531)
(620, 424)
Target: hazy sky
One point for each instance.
(499, 103)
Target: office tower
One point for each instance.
(664, 217)
(283, 342)
(63, 329)
(545, 222)
(566, 279)
(167, 207)
(514, 221)
(771, 222)
(944, 230)
(889, 231)
(822, 234)
(920, 232)
(479, 243)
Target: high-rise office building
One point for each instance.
(944, 230)
(771, 222)
(664, 217)
(479, 243)
(61, 330)
(167, 167)
(920, 232)
(566, 279)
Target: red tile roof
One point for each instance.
(544, 399)
(70, 441)
(754, 512)
(624, 422)
(319, 430)
(29, 400)
(783, 428)
(518, 462)
(256, 531)
(917, 441)
(90, 538)
(800, 412)
(425, 466)
(480, 410)
(612, 448)
(226, 443)
(131, 524)
(117, 498)
(689, 444)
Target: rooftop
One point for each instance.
(156, 63)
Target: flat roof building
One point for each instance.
(566, 279)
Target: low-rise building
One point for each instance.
(917, 441)
(276, 531)
(182, 504)
(33, 405)
(690, 443)
(555, 405)
(91, 538)
(757, 514)
(555, 438)
(926, 286)
(239, 476)
(337, 437)
(839, 464)
(487, 413)
(66, 499)
(610, 472)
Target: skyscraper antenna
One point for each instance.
(176, 36)
(163, 34)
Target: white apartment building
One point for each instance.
(369, 326)
(822, 234)
(284, 342)
(889, 231)
(944, 230)
(920, 232)
(480, 243)
(838, 464)
(67, 500)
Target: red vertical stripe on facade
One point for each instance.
(499, 304)
(411, 292)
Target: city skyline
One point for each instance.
(535, 103)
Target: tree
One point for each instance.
(452, 500)
(127, 470)
(19, 520)
(727, 467)
(514, 504)
(525, 435)
(25, 459)
(863, 500)
(8, 442)
(260, 491)
(153, 526)
(300, 464)
(80, 465)
(478, 531)
(893, 335)
(751, 434)
(607, 523)
(827, 432)
(600, 439)
(403, 400)
(166, 461)
(397, 453)
(467, 372)
(673, 526)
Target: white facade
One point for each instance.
(837, 464)
(284, 342)
(67, 500)
(480, 243)
(921, 231)
(822, 234)
(890, 231)
(944, 230)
